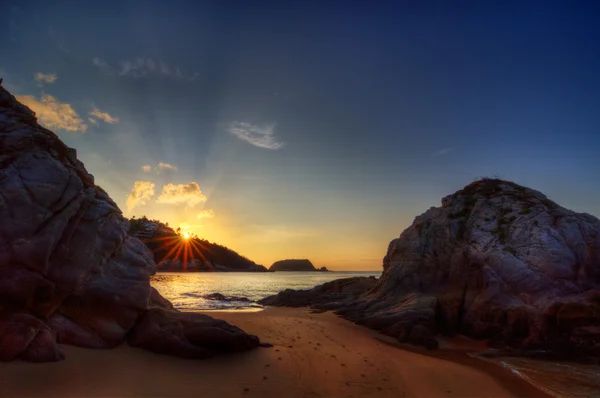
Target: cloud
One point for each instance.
(104, 116)
(443, 151)
(165, 167)
(206, 214)
(103, 65)
(263, 137)
(189, 194)
(160, 166)
(140, 194)
(140, 68)
(53, 114)
(42, 78)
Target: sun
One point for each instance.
(186, 235)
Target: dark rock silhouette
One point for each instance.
(497, 261)
(332, 294)
(69, 271)
(292, 265)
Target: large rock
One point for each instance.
(332, 294)
(497, 261)
(69, 272)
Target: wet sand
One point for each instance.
(313, 355)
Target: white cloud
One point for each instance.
(104, 116)
(42, 78)
(53, 114)
(165, 167)
(443, 151)
(160, 166)
(141, 67)
(189, 194)
(92, 120)
(103, 65)
(263, 137)
(140, 194)
(206, 214)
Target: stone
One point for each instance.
(496, 261)
(69, 271)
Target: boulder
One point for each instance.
(497, 261)
(69, 271)
(336, 293)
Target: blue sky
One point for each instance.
(286, 129)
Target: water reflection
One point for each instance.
(187, 290)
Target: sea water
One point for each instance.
(187, 291)
(557, 378)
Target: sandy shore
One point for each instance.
(314, 355)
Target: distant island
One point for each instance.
(295, 265)
(174, 253)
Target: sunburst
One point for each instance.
(182, 247)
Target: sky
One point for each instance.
(312, 129)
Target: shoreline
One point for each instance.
(313, 355)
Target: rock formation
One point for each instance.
(292, 265)
(497, 261)
(69, 272)
(332, 295)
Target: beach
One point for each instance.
(313, 355)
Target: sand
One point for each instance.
(313, 355)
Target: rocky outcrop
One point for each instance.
(188, 335)
(334, 294)
(292, 265)
(496, 261)
(323, 269)
(69, 271)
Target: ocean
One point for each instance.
(557, 378)
(187, 290)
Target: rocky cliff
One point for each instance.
(293, 265)
(69, 272)
(496, 261)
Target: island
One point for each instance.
(295, 265)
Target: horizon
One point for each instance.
(315, 132)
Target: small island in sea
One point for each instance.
(295, 265)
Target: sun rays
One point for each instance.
(185, 248)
